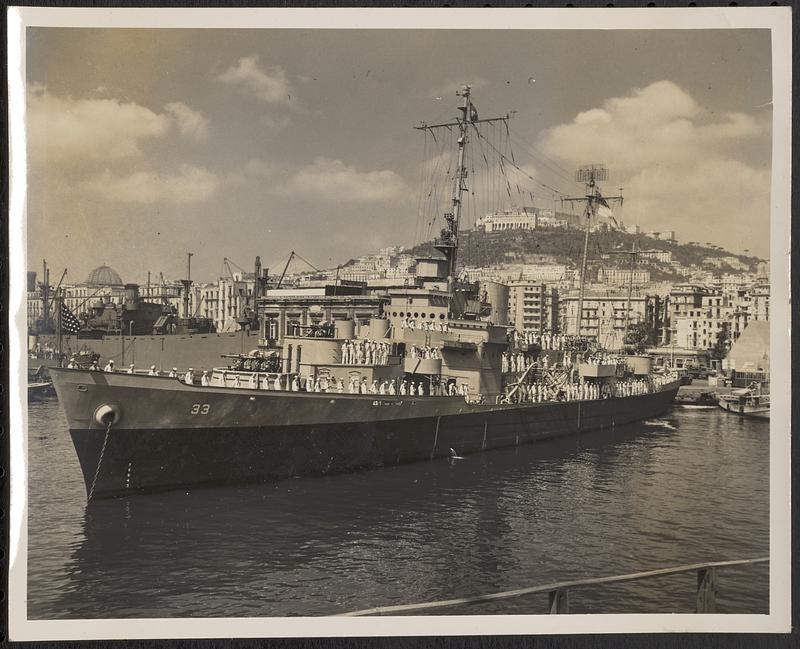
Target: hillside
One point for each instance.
(566, 246)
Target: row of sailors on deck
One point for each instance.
(552, 341)
(424, 325)
(365, 352)
(599, 358)
(512, 362)
(423, 352)
(94, 367)
(536, 392)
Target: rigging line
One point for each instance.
(546, 163)
(307, 262)
(513, 164)
(508, 138)
(420, 187)
(533, 147)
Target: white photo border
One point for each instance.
(776, 19)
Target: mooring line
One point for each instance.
(100, 460)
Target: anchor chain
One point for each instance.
(100, 460)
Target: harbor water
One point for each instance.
(689, 487)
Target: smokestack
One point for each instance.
(131, 296)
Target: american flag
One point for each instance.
(69, 322)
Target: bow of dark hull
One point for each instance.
(168, 435)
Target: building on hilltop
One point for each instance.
(524, 218)
(655, 255)
(666, 235)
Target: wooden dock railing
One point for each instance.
(558, 593)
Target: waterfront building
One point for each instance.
(547, 272)
(718, 314)
(678, 357)
(759, 300)
(622, 276)
(604, 315)
(532, 306)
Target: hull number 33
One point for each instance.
(200, 408)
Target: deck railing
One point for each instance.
(558, 593)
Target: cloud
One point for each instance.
(683, 167)
(190, 122)
(190, 185)
(63, 129)
(334, 180)
(269, 84)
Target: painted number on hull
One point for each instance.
(200, 408)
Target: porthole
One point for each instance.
(416, 314)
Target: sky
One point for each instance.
(146, 144)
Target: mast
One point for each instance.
(59, 336)
(633, 254)
(186, 284)
(45, 297)
(447, 243)
(589, 175)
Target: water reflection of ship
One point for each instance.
(304, 528)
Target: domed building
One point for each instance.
(104, 276)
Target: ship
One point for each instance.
(751, 402)
(135, 329)
(432, 376)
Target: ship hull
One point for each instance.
(752, 412)
(169, 435)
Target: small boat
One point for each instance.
(697, 400)
(39, 390)
(747, 402)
